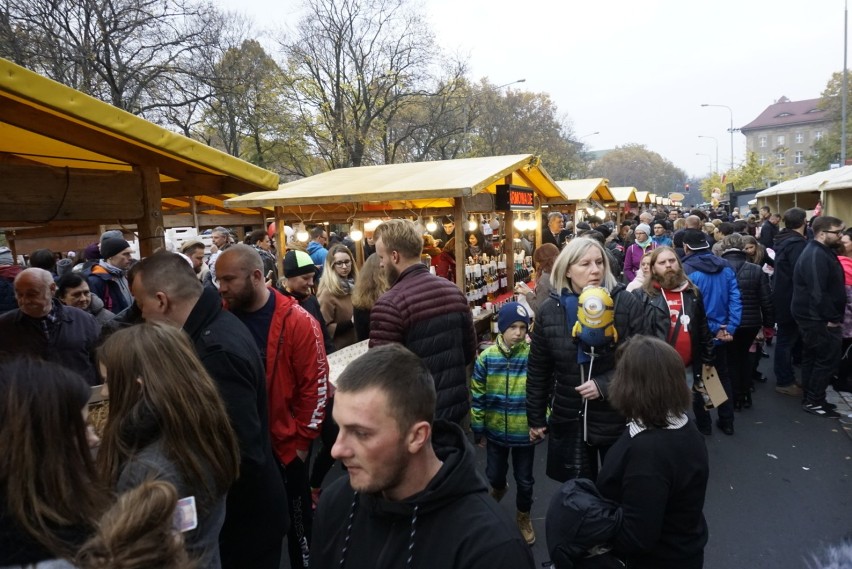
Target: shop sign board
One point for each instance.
(514, 198)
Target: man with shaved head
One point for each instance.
(291, 343)
(43, 327)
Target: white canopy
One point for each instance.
(836, 179)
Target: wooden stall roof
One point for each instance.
(53, 130)
(643, 197)
(588, 189)
(623, 194)
(415, 185)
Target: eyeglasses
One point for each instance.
(342, 263)
(835, 231)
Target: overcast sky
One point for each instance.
(637, 71)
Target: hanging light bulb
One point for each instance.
(431, 225)
(372, 224)
(472, 225)
(302, 233)
(356, 234)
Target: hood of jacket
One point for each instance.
(313, 247)
(9, 272)
(785, 237)
(735, 257)
(456, 478)
(704, 261)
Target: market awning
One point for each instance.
(836, 179)
(643, 197)
(68, 157)
(587, 189)
(410, 186)
(623, 194)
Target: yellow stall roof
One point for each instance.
(623, 194)
(643, 197)
(414, 185)
(45, 123)
(588, 189)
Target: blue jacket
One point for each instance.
(717, 282)
(318, 253)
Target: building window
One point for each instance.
(780, 159)
(761, 160)
(762, 141)
(800, 138)
(799, 157)
(818, 135)
(781, 140)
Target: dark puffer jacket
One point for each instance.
(430, 316)
(788, 246)
(755, 294)
(553, 365)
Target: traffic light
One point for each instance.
(686, 188)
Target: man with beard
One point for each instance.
(427, 314)
(291, 344)
(412, 496)
(674, 312)
(819, 302)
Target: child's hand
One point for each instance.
(537, 434)
(481, 443)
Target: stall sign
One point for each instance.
(514, 198)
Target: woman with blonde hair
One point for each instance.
(168, 422)
(371, 284)
(559, 373)
(335, 295)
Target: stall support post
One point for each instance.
(359, 245)
(281, 240)
(150, 225)
(458, 216)
(509, 248)
(538, 221)
(194, 204)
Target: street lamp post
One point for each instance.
(716, 140)
(709, 158)
(731, 129)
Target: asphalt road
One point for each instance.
(779, 489)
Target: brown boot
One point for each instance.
(498, 493)
(525, 525)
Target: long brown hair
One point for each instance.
(48, 480)
(372, 284)
(649, 285)
(137, 532)
(153, 369)
(544, 257)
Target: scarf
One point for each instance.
(570, 303)
(645, 243)
(120, 280)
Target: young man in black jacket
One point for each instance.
(819, 304)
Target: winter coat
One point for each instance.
(717, 282)
(662, 240)
(318, 254)
(658, 321)
(96, 309)
(788, 247)
(337, 315)
(430, 316)
(71, 343)
(633, 259)
(846, 262)
(296, 378)
(547, 236)
(7, 287)
(445, 266)
(256, 518)
(311, 305)
(452, 524)
(499, 394)
(542, 291)
(768, 231)
(755, 294)
(107, 287)
(553, 371)
(819, 290)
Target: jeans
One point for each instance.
(497, 466)
(726, 409)
(788, 335)
(820, 358)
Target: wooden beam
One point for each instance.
(461, 261)
(280, 242)
(44, 193)
(209, 220)
(150, 224)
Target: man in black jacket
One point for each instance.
(167, 290)
(819, 304)
(789, 244)
(555, 232)
(412, 496)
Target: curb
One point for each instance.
(844, 398)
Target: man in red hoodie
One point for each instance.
(291, 343)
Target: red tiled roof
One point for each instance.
(786, 112)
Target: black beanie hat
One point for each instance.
(112, 246)
(297, 263)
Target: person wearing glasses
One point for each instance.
(819, 304)
(335, 295)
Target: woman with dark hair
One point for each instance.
(50, 498)
(334, 295)
(477, 245)
(73, 290)
(259, 239)
(559, 373)
(167, 422)
(658, 469)
(543, 259)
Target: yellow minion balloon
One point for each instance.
(595, 316)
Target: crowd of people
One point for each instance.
(217, 376)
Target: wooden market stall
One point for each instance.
(831, 187)
(623, 199)
(71, 164)
(584, 194)
(460, 187)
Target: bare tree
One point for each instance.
(354, 64)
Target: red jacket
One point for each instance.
(296, 378)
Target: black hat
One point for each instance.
(112, 246)
(297, 263)
(695, 239)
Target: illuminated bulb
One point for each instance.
(472, 225)
(302, 236)
(356, 235)
(431, 226)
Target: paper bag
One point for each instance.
(711, 387)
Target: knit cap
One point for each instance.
(510, 313)
(112, 246)
(643, 227)
(297, 263)
(6, 256)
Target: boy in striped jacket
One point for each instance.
(499, 411)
